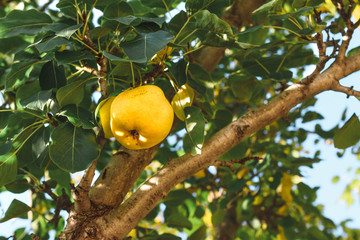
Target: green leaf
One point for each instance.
(200, 80)
(12, 45)
(40, 145)
(52, 76)
(242, 87)
(116, 59)
(266, 162)
(177, 197)
(19, 74)
(78, 116)
(199, 234)
(167, 236)
(73, 149)
(8, 168)
(135, 21)
(68, 31)
(68, 56)
(160, 4)
(349, 134)
(5, 147)
(195, 126)
(193, 6)
(310, 116)
(237, 152)
(118, 9)
(20, 185)
(178, 220)
(335, 179)
(51, 44)
(316, 234)
(26, 91)
(16, 121)
(302, 161)
(211, 22)
(307, 194)
(306, 3)
(37, 101)
(262, 12)
(218, 216)
(16, 209)
(144, 46)
(353, 51)
(219, 40)
(28, 22)
(72, 93)
(179, 26)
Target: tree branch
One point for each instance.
(81, 192)
(227, 229)
(119, 175)
(349, 91)
(122, 219)
(230, 163)
(88, 69)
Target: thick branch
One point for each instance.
(113, 184)
(227, 229)
(124, 218)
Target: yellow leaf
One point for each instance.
(285, 188)
(200, 174)
(241, 173)
(207, 217)
(132, 233)
(282, 210)
(62, 48)
(327, 6)
(162, 54)
(281, 234)
(258, 200)
(183, 98)
(356, 13)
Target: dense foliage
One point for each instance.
(58, 63)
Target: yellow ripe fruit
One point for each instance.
(105, 116)
(183, 98)
(141, 117)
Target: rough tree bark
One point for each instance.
(110, 217)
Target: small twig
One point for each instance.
(323, 58)
(230, 163)
(88, 69)
(62, 202)
(80, 193)
(47, 189)
(46, 5)
(349, 91)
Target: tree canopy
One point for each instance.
(230, 167)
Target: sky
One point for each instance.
(331, 105)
